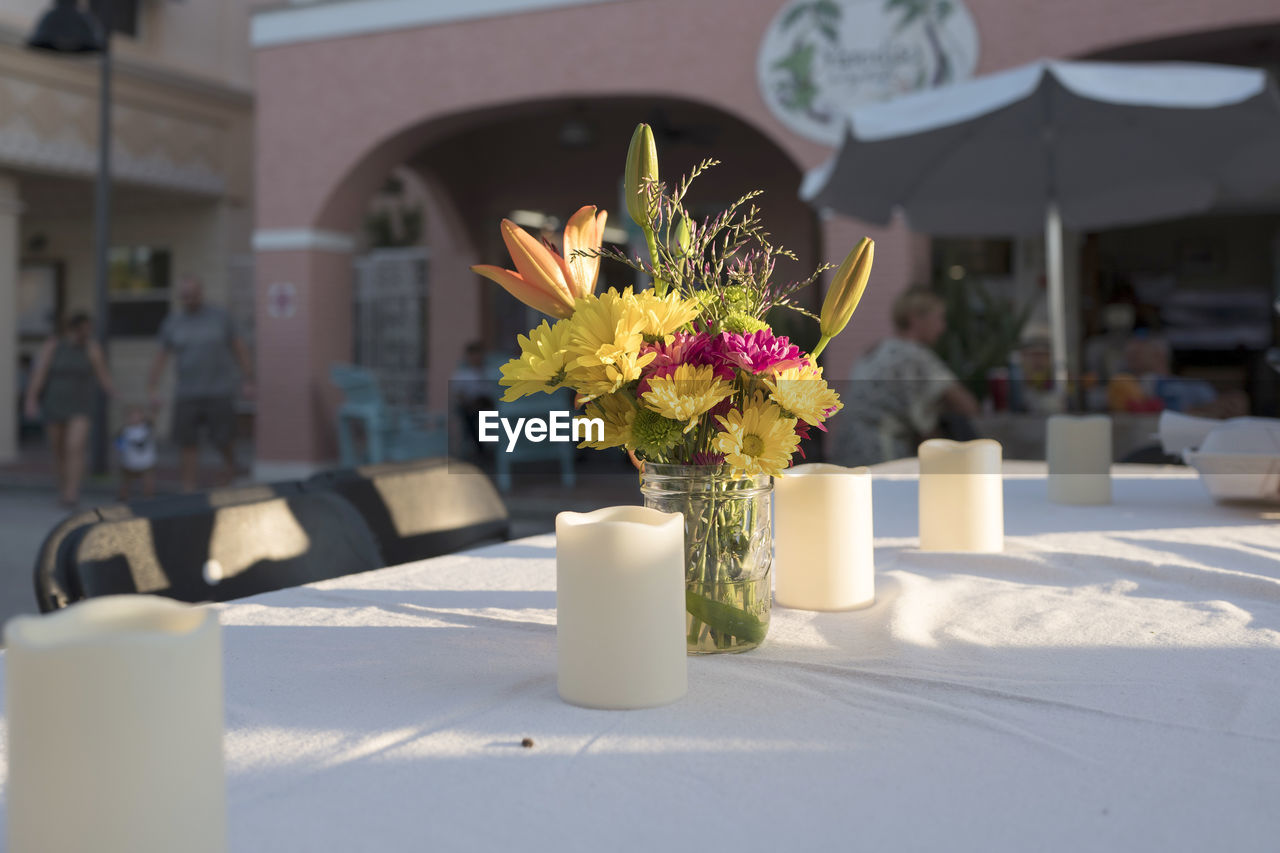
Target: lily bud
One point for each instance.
(845, 292)
(681, 238)
(642, 164)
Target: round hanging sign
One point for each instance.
(819, 58)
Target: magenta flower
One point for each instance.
(721, 408)
(757, 352)
(802, 430)
(685, 348)
(707, 458)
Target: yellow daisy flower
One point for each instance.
(665, 315)
(604, 343)
(541, 365)
(802, 392)
(689, 393)
(758, 439)
(618, 414)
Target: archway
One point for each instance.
(545, 156)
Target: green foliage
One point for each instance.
(654, 434)
(915, 10)
(982, 330)
(799, 62)
(821, 14)
(809, 22)
(726, 263)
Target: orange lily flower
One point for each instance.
(543, 279)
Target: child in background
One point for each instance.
(136, 443)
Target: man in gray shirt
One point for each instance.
(206, 350)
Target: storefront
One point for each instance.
(182, 114)
(526, 105)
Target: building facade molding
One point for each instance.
(295, 24)
(54, 129)
(127, 69)
(301, 240)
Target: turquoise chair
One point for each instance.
(535, 406)
(390, 434)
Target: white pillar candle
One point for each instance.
(961, 496)
(1078, 448)
(620, 607)
(115, 728)
(824, 555)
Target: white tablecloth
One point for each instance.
(1111, 682)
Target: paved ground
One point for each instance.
(29, 509)
(25, 517)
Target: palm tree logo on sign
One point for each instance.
(819, 58)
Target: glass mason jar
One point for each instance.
(728, 540)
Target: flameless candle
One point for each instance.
(1078, 448)
(115, 728)
(823, 544)
(961, 496)
(620, 607)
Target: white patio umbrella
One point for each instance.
(1082, 144)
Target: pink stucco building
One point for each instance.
(496, 106)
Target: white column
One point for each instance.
(10, 208)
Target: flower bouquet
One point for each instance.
(687, 376)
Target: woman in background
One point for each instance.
(898, 391)
(68, 371)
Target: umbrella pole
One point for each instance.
(1057, 298)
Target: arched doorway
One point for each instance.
(537, 159)
(552, 157)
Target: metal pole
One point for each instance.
(1057, 298)
(102, 235)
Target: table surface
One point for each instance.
(1110, 682)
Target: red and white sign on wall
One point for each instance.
(282, 300)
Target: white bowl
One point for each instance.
(1252, 437)
(1178, 432)
(1238, 476)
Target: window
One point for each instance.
(138, 281)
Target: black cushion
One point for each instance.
(199, 502)
(56, 584)
(423, 508)
(195, 553)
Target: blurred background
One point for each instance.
(328, 171)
